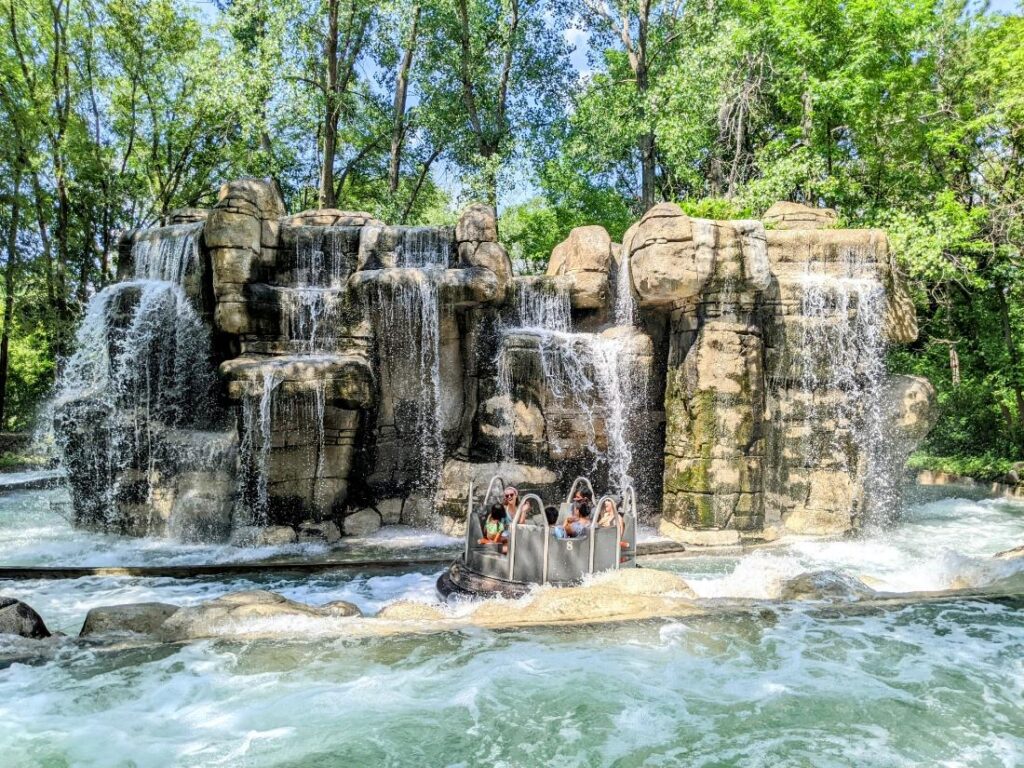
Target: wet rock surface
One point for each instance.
(733, 373)
(138, 618)
(825, 585)
(18, 618)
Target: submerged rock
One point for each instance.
(257, 536)
(341, 608)
(326, 532)
(1016, 553)
(240, 613)
(825, 585)
(140, 618)
(410, 610)
(18, 618)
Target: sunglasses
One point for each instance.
(510, 495)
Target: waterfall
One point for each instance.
(406, 310)
(323, 255)
(625, 304)
(589, 371)
(542, 304)
(428, 247)
(141, 367)
(839, 370)
(311, 317)
(167, 253)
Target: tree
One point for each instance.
(494, 77)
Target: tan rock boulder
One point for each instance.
(330, 217)
(586, 249)
(672, 256)
(585, 256)
(787, 215)
(325, 532)
(362, 523)
(477, 223)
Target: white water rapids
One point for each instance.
(936, 684)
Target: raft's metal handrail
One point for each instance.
(597, 517)
(490, 485)
(572, 489)
(469, 521)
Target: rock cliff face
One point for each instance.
(368, 372)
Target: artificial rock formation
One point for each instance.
(366, 373)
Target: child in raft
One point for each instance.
(494, 528)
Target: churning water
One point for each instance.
(789, 684)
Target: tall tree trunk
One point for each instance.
(327, 198)
(10, 274)
(639, 62)
(401, 89)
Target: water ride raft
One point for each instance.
(534, 554)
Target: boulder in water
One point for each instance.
(1017, 553)
(140, 618)
(341, 608)
(643, 581)
(238, 613)
(362, 523)
(18, 618)
(825, 585)
(326, 532)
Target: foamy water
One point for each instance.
(928, 684)
(32, 532)
(942, 544)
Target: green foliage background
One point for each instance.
(902, 114)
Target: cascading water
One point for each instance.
(141, 367)
(167, 253)
(407, 311)
(589, 371)
(311, 310)
(839, 370)
(311, 321)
